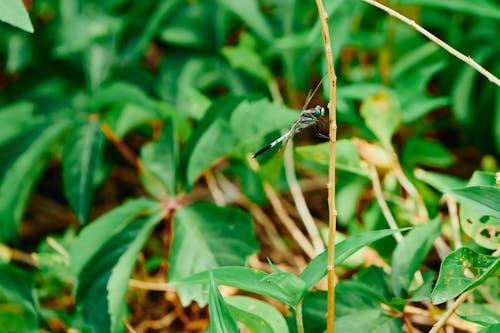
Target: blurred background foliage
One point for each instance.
(185, 84)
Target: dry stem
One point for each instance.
(461, 56)
(332, 211)
(300, 201)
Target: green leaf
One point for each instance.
(441, 182)
(16, 119)
(463, 270)
(13, 12)
(419, 151)
(490, 329)
(22, 162)
(102, 259)
(221, 319)
(256, 315)
(231, 127)
(246, 57)
(315, 157)
(410, 253)
(314, 308)
(382, 115)
(483, 8)
(242, 278)
(372, 320)
(82, 154)
(159, 161)
(423, 292)
(482, 314)
(421, 106)
(207, 236)
(18, 311)
(483, 229)
(250, 13)
(316, 268)
(483, 199)
(159, 14)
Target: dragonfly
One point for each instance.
(307, 117)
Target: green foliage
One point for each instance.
(14, 13)
(164, 102)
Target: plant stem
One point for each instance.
(332, 211)
(298, 318)
(436, 40)
(450, 311)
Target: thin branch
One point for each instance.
(300, 201)
(156, 286)
(332, 210)
(455, 225)
(257, 212)
(450, 311)
(299, 237)
(377, 190)
(125, 150)
(461, 56)
(214, 188)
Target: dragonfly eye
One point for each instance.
(319, 111)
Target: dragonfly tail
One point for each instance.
(271, 145)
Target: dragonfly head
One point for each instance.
(318, 111)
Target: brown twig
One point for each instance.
(461, 56)
(332, 210)
(125, 150)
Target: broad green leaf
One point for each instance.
(251, 14)
(13, 12)
(463, 89)
(19, 51)
(246, 57)
(421, 106)
(423, 292)
(463, 270)
(22, 162)
(221, 320)
(483, 8)
(82, 154)
(382, 115)
(371, 282)
(490, 329)
(102, 259)
(207, 236)
(314, 308)
(162, 11)
(231, 127)
(483, 199)
(17, 307)
(316, 268)
(485, 230)
(410, 253)
(242, 278)
(315, 158)
(16, 119)
(256, 315)
(419, 151)
(374, 320)
(159, 161)
(440, 182)
(482, 314)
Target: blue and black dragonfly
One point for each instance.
(307, 117)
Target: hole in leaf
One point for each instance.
(484, 219)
